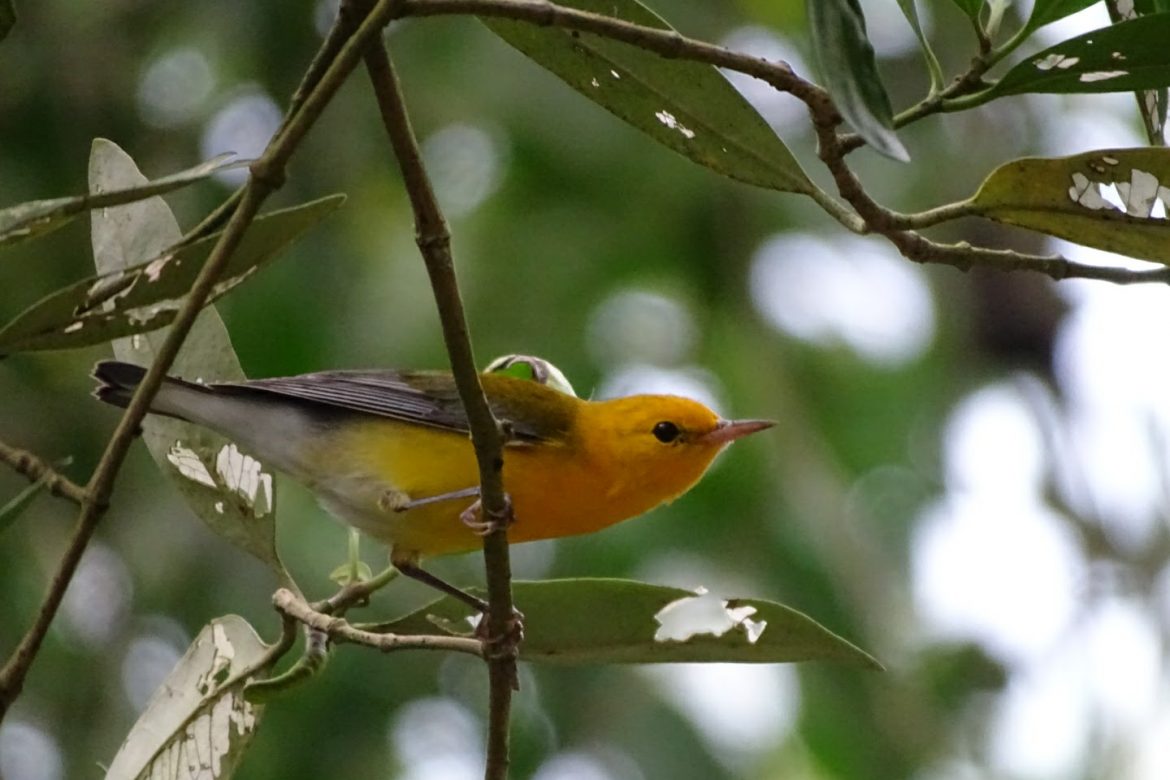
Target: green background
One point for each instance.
(582, 211)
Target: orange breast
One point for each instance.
(555, 491)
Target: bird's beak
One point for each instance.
(727, 431)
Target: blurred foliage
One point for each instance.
(577, 208)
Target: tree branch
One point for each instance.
(434, 243)
(833, 147)
(266, 174)
(339, 630)
(29, 465)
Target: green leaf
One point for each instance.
(971, 8)
(687, 106)
(231, 492)
(7, 18)
(851, 75)
(1151, 102)
(1111, 199)
(38, 217)
(146, 296)
(1046, 12)
(1124, 57)
(198, 723)
(910, 11)
(579, 621)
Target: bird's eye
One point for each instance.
(666, 432)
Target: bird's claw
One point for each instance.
(474, 517)
(505, 645)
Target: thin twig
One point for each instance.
(266, 174)
(29, 465)
(316, 651)
(964, 256)
(870, 216)
(338, 34)
(354, 593)
(487, 438)
(667, 43)
(337, 629)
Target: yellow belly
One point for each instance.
(555, 492)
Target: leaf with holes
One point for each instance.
(851, 75)
(38, 217)
(198, 724)
(1124, 57)
(686, 106)
(231, 492)
(1111, 199)
(146, 296)
(579, 621)
(1151, 103)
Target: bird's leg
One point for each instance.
(438, 583)
(397, 501)
(474, 517)
(494, 645)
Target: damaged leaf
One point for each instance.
(686, 106)
(198, 724)
(1112, 199)
(146, 296)
(231, 492)
(1123, 57)
(578, 621)
(38, 217)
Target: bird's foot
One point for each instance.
(482, 522)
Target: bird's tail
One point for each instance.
(117, 382)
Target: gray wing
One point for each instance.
(418, 397)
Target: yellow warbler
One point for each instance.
(389, 453)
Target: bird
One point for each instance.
(389, 452)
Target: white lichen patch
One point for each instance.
(244, 475)
(1102, 75)
(705, 613)
(155, 268)
(1139, 193)
(189, 464)
(220, 668)
(1055, 61)
(668, 119)
(144, 315)
(1142, 196)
